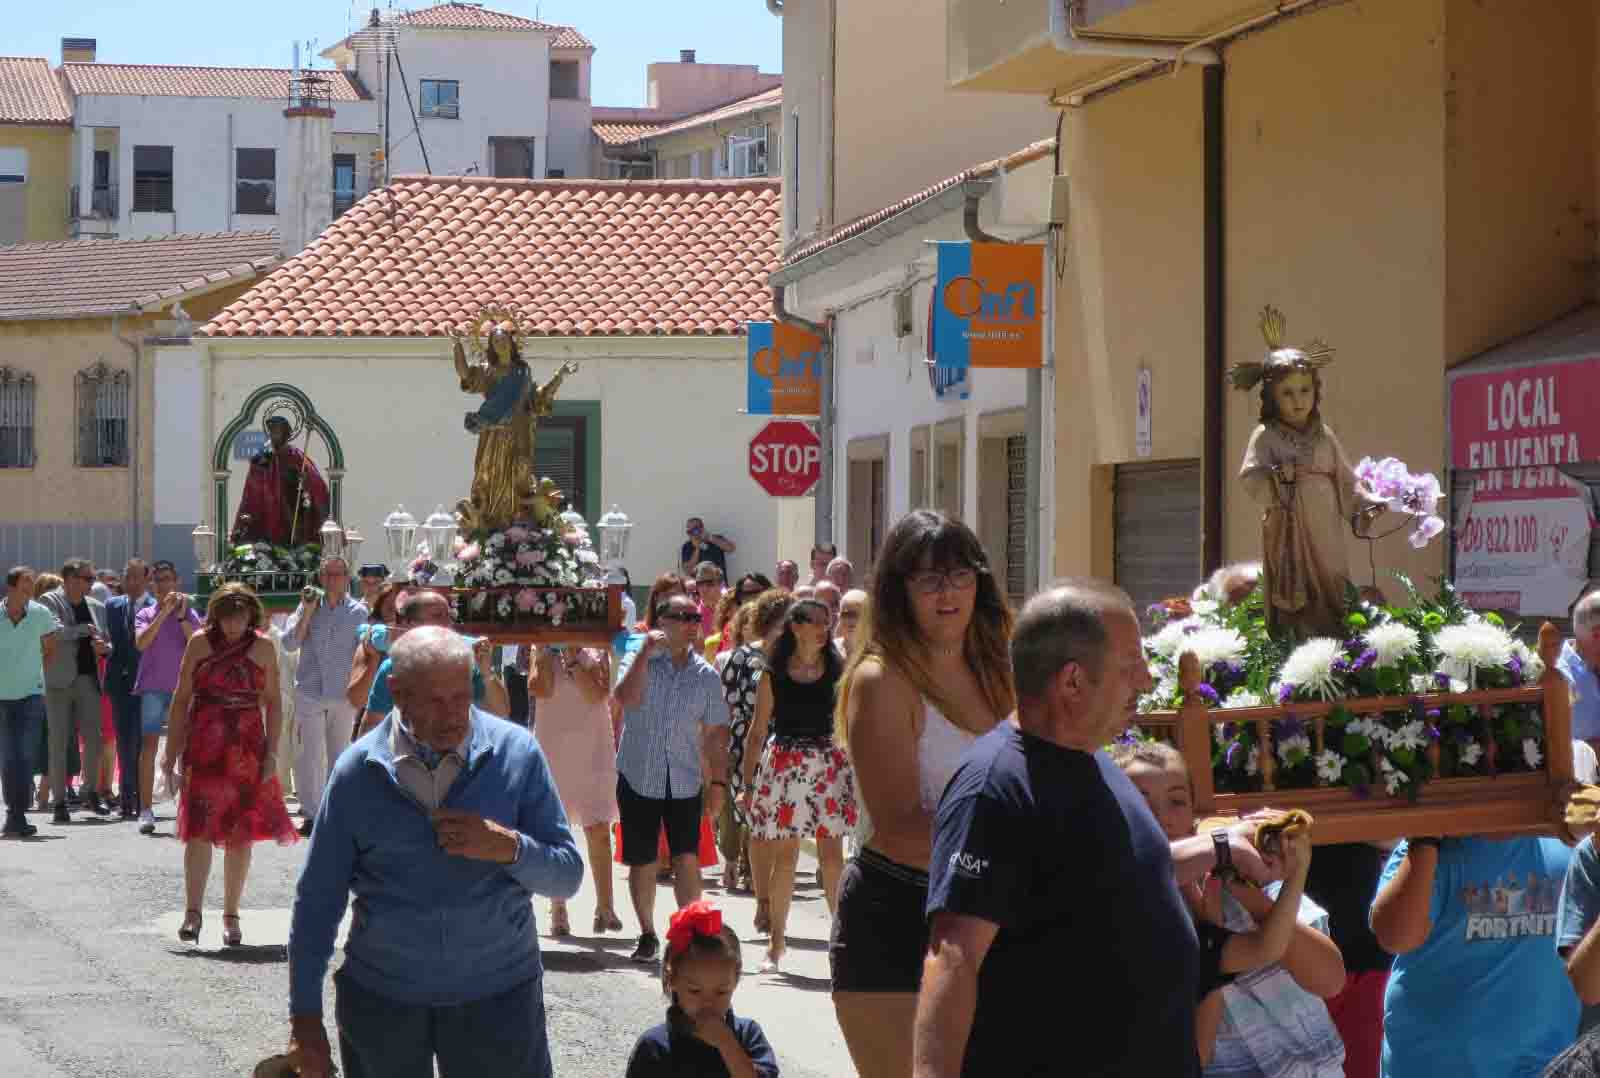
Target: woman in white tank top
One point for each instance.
(931, 675)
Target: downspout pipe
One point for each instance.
(1214, 434)
(823, 495)
(135, 449)
(1069, 37)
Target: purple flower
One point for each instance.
(1285, 693)
(1228, 730)
(1515, 666)
(1206, 693)
(1442, 682)
(1433, 732)
(1366, 659)
(1291, 727)
(1232, 754)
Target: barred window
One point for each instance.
(16, 418)
(102, 417)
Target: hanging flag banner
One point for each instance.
(948, 383)
(990, 305)
(784, 370)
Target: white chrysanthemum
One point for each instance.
(1330, 766)
(1253, 764)
(1310, 667)
(1371, 729)
(1295, 743)
(1242, 697)
(1394, 642)
(1471, 754)
(1393, 777)
(1166, 643)
(1531, 753)
(1213, 646)
(1532, 665)
(1204, 608)
(1410, 736)
(1465, 649)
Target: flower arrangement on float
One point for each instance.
(1428, 646)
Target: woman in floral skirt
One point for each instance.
(230, 796)
(799, 785)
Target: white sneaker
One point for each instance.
(147, 822)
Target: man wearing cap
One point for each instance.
(373, 577)
(281, 477)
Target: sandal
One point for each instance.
(763, 917)
(773, 963)
(231, 937)
(560, 927)
(190, 930)
(606, 921)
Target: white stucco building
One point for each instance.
(605, 273)
(903, 438)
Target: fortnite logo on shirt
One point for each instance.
(964, 864)
(1510, 909)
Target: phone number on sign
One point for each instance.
(1505, 534)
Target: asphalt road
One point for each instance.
(93, 979)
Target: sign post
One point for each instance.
(786, 459)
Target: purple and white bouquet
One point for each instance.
(1418, 496)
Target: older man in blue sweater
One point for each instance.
(443, 822)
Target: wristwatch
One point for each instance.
(1224, 867)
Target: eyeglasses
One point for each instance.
(933, 581)
(685, 616)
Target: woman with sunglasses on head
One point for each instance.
(798, 784)
(929, 674)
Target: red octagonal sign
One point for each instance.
(786, 459)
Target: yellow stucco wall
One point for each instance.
(1132, 295)
(49, 176)
(1335, 212)
(56, 489)
(1520, 167)
(1335, 129)
(935, 132)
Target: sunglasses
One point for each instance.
(685, 616)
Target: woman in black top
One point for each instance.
(800, 784)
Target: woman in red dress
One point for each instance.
(230, 796)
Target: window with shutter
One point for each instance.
(16, 418)
(559, 454)
(102, 407)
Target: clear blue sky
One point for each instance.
(627, 34)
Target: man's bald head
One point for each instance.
(423, 608)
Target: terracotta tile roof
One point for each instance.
(578, 257)
(30, 93)
(765, 99)
(452, 16)
(89, 278)
(620, 134)
(1032, 152)
(569, 38)
(159, 80)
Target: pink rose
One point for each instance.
(571, 538)
(516, 534)
(526, 558)
(526, 598)
(469, 552)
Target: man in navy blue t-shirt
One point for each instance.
(1059, 941)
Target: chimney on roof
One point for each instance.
(685, 56)
(77, 50)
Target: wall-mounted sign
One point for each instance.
(1143, 431)
(1523, 549)
(247, 443)
(948, 383)
(1526, 418)
(990, 305)
(784, 370)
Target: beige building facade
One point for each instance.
(35, 152)
(1414, 183)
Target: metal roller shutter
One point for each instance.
(1157, 520)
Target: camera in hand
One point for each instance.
(310, 595)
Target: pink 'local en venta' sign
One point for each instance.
(1524, 420)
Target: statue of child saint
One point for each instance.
(1296, 470)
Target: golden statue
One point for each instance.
(504, 489)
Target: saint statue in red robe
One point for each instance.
(267, 509)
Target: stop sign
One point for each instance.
(786, 458)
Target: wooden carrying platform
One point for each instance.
(1521, 803)
(586, 633)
